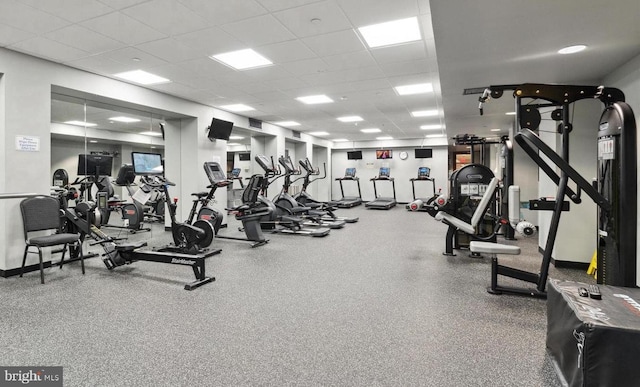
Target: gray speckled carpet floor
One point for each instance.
(375, 303)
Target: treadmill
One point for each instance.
(423, 175)
(382, 203)
(348, 201)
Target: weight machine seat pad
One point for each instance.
(493, 248)
(455, 222)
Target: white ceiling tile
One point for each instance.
(286, 84)
(46, 48)
(366, 12)
(268, 73)
(222, 12)
(277, 5)
(171, 50)
(123, 28)
(307, 66)
(120, 4)
(126, 56)
(211, 41)
(400, 53)
(72, 10)
(270, 95)
(26, 18)
(10, 35)
(99, 64)
(327, 16)
(293, 50)
(351, 75)
(372, 84)
(334, 43)
(406, 68)
(81, 38)
(168, 16)
(349, 60)
(259, 31)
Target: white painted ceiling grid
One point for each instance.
(478, 43)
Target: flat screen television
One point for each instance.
(219, 129)
(383, 154)
(147, 163)
(354, 155)
(244, 156)
(384, 172)
(423, 153)
(350, 172)
(424, 172)
(94, 165)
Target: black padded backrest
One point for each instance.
(40, 213)
(126, 175)
(251, 192)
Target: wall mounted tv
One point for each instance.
(354, 155)
(147, 163)
(245, 156)
(423, 153)
(94, 165)
(219, 129)
(383, 154)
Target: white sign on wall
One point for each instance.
(28, 143)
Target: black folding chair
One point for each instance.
(42, 213)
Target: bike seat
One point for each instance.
(200, 195)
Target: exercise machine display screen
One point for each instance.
(94, 165)
(235, 172)
(384, 172)
(147, 163)
(423, 172)
(350, 172)
(214, 172)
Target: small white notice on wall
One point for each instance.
(28, 143)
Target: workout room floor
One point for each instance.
(375, 303)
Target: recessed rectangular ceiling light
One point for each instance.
(142, 77)
(319, 133)
(431, 127)
(151, 133)
(341, 140)
(80, 123)
(238, 107)
(370, 130)
(242, 59)
(390, 33)
(235, 138)
(233, 144)
(424, 113)
(287, 123)
(510, 113)
(418, 88)
(495, 130)
(93, 141)
(350, 119)
(384, 138)
(124, 119)
(314, 99)
(434, 135)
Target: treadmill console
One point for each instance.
(384, 173)
(424, 172)
(350, 173)
(235, 173)
(214, 172)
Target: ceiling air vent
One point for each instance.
(295, 134)
(255, 123)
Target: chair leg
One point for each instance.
(64, 252)
(24, 260)
(41, 266)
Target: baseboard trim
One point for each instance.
(566, 264)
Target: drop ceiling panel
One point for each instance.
(277, 5)
(307, 66)
(223, 12)
(334, 43)
(49, 49)
(123, 28)
(267, 73)
(10, 35)
(72, 10)
(259, 31)
(171, 50)
(29, 19)
(289, 51)
(128, 55)
(210, 41)
(120, 4)
(400, 53)
(84, 39)
(351, 75)
(286, 84)
(405, 68)
(99, 64)
(350, 60)
(364, 12)
(314, 19)
(168, 16)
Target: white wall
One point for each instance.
(401, 170)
